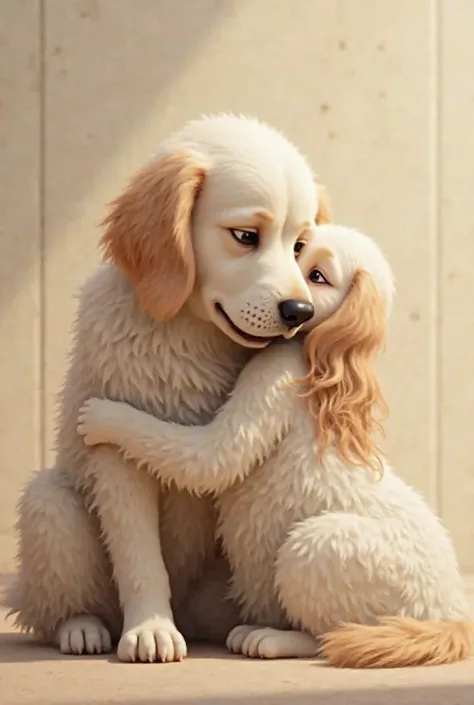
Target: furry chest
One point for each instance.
(286, 489)
(167, 385)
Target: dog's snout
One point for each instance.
(295, 312)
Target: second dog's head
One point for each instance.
(214, 222)
(352, 289)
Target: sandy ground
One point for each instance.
(35, 675)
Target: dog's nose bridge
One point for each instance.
(295, 312)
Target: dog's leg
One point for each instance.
(398, 606)
(337, 568)
(63, 591)
(208, 458)
(127, 505)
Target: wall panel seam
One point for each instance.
(42, 235)
(436, 252)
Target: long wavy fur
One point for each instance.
(148, 231)
(342, 388)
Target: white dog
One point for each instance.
(313, 538)
(201, 274)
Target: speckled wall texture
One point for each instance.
(380, 95)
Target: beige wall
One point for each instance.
(379, 94)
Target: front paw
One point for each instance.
(94, 421)
(269, 643)
(152, 640)
(265, 643)
(258, 642)
(237, 637)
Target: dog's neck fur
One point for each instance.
(181, 370)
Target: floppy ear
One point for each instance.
(324, 214)
(148, 231)
(343, 391)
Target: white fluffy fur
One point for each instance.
(311, 545)
(92, 517)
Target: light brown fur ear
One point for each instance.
(343, 391)
(324, 214)
(148, 232)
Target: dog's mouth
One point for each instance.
(256, 339)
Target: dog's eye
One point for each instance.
(248, 238)
(317, 277)
(298, 247)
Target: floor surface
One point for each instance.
(35, 675)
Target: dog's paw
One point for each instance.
(84, 634)
(276, 643)
(151, 641)
(265, 643)
(238, 635)
(95, 421)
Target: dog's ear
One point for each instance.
(324, 214)
(148, 231)
(343, 391)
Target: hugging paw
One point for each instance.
(96, 421)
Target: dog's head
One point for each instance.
(352, 288)
(214, 222)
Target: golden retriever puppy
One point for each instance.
(322, 533)
(201, 274)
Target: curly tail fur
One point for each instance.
(398, 642)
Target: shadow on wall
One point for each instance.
(414, 695)
(123, 59)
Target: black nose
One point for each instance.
(294, 312)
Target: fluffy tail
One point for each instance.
(398, 642)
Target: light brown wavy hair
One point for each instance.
(342, 388)
(148, 231)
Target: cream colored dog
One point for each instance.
(313, 538)
(201, 274)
